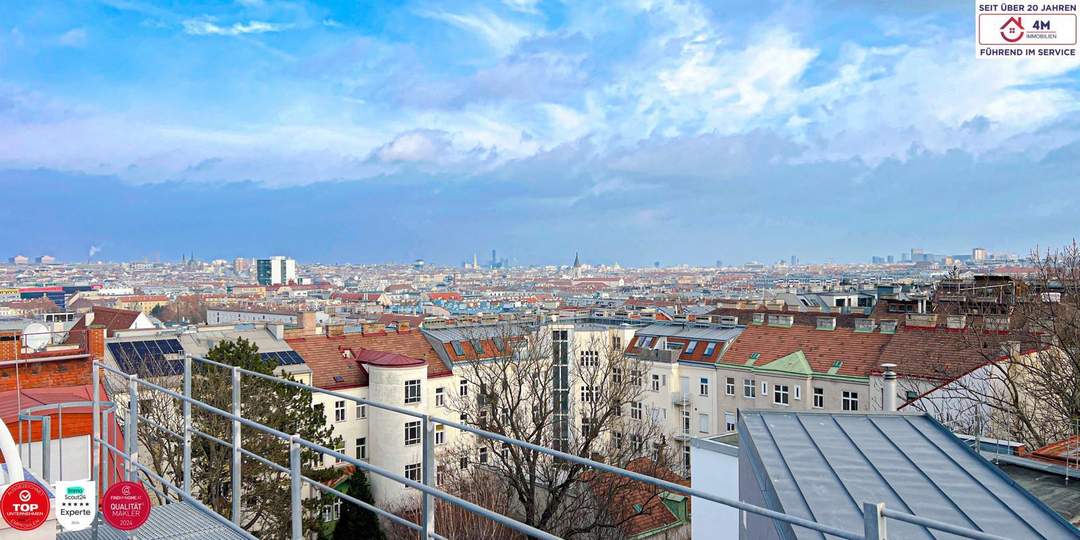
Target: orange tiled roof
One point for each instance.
(324, 355)
(860, 352)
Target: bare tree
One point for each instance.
(1026, 333)
(532, 384)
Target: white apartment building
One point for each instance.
(276, 270)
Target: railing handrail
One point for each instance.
(427, 490)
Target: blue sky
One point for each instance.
(683, 132)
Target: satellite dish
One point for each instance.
(35, 336)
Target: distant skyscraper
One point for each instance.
(794, 261)
(241, 265)
(978, 254)
(275, 271)
(494, 261)
(890, 259)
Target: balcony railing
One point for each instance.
(875, 514)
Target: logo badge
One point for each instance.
(125, 506)
(76, 504)
(24, 505)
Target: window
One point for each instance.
(412, 433)
(361, 448)
(361, 410)
(412, 391)
(686, 421)
(440, 397)
(638, 443)
(617, 407)
(616, 438)
(616, 343)
(850, 401)
(586, 427)
(910, 395)
(798, 392)
(729, 386)
(686, 457)
(635, 377)
(590, 359)
(780, 394)
(616, 375)
(819, 398)
(690, 347)
(412, 472)
(339, 449)
(463, 463)
(588, 392)
(483, 456)
(655, 383)
(332, 511)
(729, 421)
(703, 386)
(764, 388)
(440, 435)
(339, 411)
(458, 350)
(635, 410)
(463, 388)
(709, 348)
(703, 423)
(748, 388)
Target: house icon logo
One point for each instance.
(1013, 30)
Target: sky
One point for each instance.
(631, 132)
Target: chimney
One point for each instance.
(373, 328)
(335, 329)
(402, 326)
(9, 345)
(95, 341)
(889, 401)
(307, 322)
(278, 330)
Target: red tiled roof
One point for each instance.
(1065, 452)
(113, 319)
(386, 359)
(324, 355)
(860, 352)
(653, 514)
(393, 318)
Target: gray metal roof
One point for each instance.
(176, 521)
(691, 331)
(823, 466)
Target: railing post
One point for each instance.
(46, 452)
(187, 424)
(95, 438)
(236, 485)
(105, 476)
(294, 477)
(874, 521)
(428, 477)
(132, 428)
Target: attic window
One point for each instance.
(709, 347)
(759, 318)
(781, 320)
(638, 508)
(339, 379)
(346, 353)
(864, 325)
(826, 323)
(500, 345)
(691, 346)
(755, 356)
(478, 347)
(888, 327)
(458, 350)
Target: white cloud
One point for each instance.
(501, 34)
(415, 146)
(206, 27)
(76, 37)
(524, 6)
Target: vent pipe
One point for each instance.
(889, 402)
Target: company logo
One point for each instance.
(24, 505)
(125, 506)
(1013, 30)
(76, 504)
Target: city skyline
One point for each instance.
(665, 131)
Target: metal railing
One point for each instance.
(874, 514)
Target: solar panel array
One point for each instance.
(283, 358)
(148, 357)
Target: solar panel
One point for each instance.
(148, 357)
(283, 358)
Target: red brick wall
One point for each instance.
(96, 346)
(46, 374)
(9, 345)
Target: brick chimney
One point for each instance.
(373, 328)
(95, 341)
(402, 326)
(307, 322)
(335, 329)
(9, 345)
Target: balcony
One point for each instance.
(681, 399)
(682, 437)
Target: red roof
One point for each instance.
(9, 401)
(331, 369)
(113, 319)
(386, 359)
(859, 352)
(653, 513)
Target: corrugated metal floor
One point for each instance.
(176, 521)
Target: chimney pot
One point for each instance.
(889, 375)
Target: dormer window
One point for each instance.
(759, 318)
(347, 353)
(826, 323)
(864, 325)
